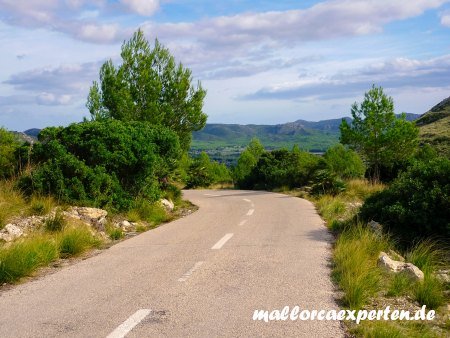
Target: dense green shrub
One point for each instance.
(8, 149)
(417, 204)
(326, 182)
(344, 163)
(203, 172)
(104, 163)
(282, 168)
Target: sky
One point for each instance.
(261, 62)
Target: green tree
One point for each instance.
(8, 148)
(381, 139)
(149, 86)
(248, 159)
(344, 163)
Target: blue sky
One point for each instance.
(262, 62)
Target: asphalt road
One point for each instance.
(200, 276)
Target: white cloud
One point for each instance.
(142, 7)
(50, 99)
(445, 20)
(394, 74)
(97, 33)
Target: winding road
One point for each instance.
(200, 276)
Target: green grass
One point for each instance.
(141, 228)
(55, 223)
(386, 329)
(114, 233)
(41, 205)
(12, 202)
(355, 258)
(153, 213)
(427, 255)
(75, 240)
(23, 257)
(430, 292)
(399, 285)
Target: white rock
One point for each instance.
(13, 230)
(125, 225)
(168, 204)
(384, 261)
(92, 213)
(10, 232)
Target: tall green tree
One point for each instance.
(148, 86)
(377, 135)
(8, 148)
(248, 159)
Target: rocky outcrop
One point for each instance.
(10, 232)
(387, 263)
(92, 216)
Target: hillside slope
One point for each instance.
(434, 127)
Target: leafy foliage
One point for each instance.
(377, 135)
(282, 168)
(344, 163)
(8, 148)
(203, 172)
(326, 182)
(148, 86)
(104, 163)
(417, 204)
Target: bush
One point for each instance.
(325, 182)
(203, 172)
(417, 204)
(104, 164)
(8, 149)
(282, 168)
(344, 163)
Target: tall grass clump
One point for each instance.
(355, 259)
(430, 292)
(427, 255)
(41, 205)
(12, 202)
(361, 189)
(75, 240)
(56, 222)
(25, 256)
(151, 212)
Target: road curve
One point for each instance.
(200, 276)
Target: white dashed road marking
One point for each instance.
(128, 325)
(243, 222)
(250, 212)
(190, 272)
(222, 241)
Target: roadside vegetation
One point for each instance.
(378, 173)
(127, 159)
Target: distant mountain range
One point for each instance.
(313, 136)
(224, 142)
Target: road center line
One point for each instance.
(222, 241)
(128, 325)
(243, 222)
(250, 212)
(190, 272)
